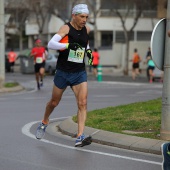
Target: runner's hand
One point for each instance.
(73, 46)
(89, 55)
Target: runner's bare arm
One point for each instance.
(63, 31)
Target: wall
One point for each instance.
(116, 57)
(111, 57)
(103, 24)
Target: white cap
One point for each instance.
(80, 9)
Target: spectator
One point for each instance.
(135, 64)
(95, 61)
(147, 55)
(12, 56)
(151, 67)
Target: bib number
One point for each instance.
(76, 56)
(39, 60)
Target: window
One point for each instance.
(106, 38)
(91, 39)
(120, 38)
(144, 36)
(110, 4)
(149, 8)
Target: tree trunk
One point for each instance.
(126, 70)
(96, 45)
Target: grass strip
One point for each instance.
(141, 119)
(11, 84)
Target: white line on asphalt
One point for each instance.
(132, 83)
(26, 131)
(95, 132)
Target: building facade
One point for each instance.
(109, 31)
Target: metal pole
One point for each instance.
(2, 44)
(165, 118)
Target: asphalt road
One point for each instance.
(21, 112)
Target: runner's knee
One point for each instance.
(53, 103)
(82, 104)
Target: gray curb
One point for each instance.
(146, 145)
(11, 89)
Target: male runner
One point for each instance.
(72, 42)
(39, 54)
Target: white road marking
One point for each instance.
(149, 92)
(95, 132)
(26, 131)
(133, 84)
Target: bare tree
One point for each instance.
(95, 9)
(127, 33)
(39, 11)
(58, 8)
(19, 13)
(132, 9)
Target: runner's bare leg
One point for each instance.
(54, 101)
(80, 92)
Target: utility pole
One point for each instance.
(2, 44)
(165, 118)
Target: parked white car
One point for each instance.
(50, 64)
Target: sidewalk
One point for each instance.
(147, 145)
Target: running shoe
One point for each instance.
(41, 131)
(166, 156)
(38, 86)
(41, 83)
(82, 141)
(150, 81)
(79, 140)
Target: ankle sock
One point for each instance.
(44, 122)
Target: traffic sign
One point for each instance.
(158, 43)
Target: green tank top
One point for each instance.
(151, 63)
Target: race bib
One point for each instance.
(39, 60)
(76, 56)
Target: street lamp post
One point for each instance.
(2, 44)
(165, 118)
